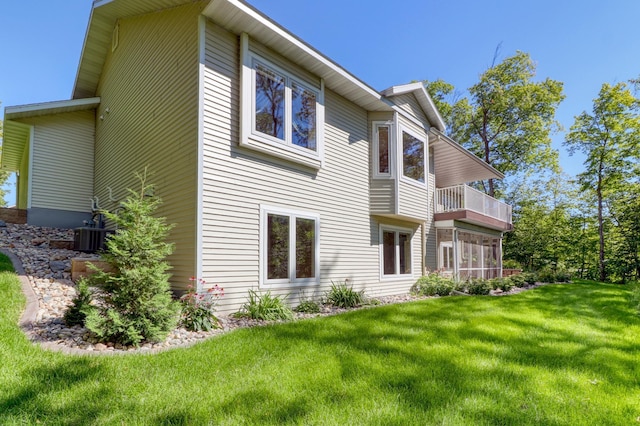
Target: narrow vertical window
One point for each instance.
(270, 95)
(389, 252)
(383, 149)
(277, 246)
(303, 120)
(404, 246)
(412, 157)
(305, 248)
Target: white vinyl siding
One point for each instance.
(410, 104)
(149, 92)
(63, 161)
(238, 180)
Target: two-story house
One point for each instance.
(280, 169)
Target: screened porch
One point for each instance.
(464, 254)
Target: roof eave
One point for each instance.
(426, 103)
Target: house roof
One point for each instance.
(455, 164)
(426, 103)
(17, 134)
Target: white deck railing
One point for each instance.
(463, 197)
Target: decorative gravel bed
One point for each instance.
(49, 273)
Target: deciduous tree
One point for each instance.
(507, 118)
(608, 136)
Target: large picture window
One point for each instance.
(289, 248)
(413, 156)
(395, 252)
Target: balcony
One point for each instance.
(466, 204)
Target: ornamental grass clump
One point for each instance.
(342, 296)
(265, 307)
(197, 309)
(134, 302)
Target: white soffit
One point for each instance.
(455, 165)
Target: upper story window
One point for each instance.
(413, 157)
(282, 112)
(381, 149)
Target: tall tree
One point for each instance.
(507, 118)
(608, 136)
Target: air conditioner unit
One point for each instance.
(89, 240)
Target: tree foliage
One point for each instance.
(135, 303)
(608, 137)
(507, 117)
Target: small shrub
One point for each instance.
(433, 285)
(563, 276)
(547, 276)
(635, 295)
(197, 310)
(530, 278)
(76, 314)
(518, 280)
(135, 301)
(460, 286)
(479, 286)
(504, 284)
(342, 296)
(308, 307)
(511, 264)
(265, 307)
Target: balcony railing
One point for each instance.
(463, 197)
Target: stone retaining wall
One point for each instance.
(80, 269)
(12, 215)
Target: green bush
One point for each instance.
(265, 307)
(511, 264)
(342, 296)
(135, 301)
(308, 307)
(530, 278)
(548, 275)
(433, 285)
(504, 284)
(76, 314)
(518, 280)
(635, 295)
(479, 286)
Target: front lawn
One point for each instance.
(560, 354)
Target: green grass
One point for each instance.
(557, 355)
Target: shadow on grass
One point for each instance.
(67, 392)
(495, 360)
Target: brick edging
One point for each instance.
(28, 317)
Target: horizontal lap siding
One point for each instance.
(238, 180)
(410, 104)
(150, 86)
(63, 161)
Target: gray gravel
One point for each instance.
(49, 272)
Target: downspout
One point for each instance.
(424, 248)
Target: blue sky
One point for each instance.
(581, 43)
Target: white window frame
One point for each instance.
(376, 149)
(400, 151)
(266, 143)
(291, 281)
(397, 231)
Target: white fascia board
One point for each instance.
(423, 97)
(96, 4)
